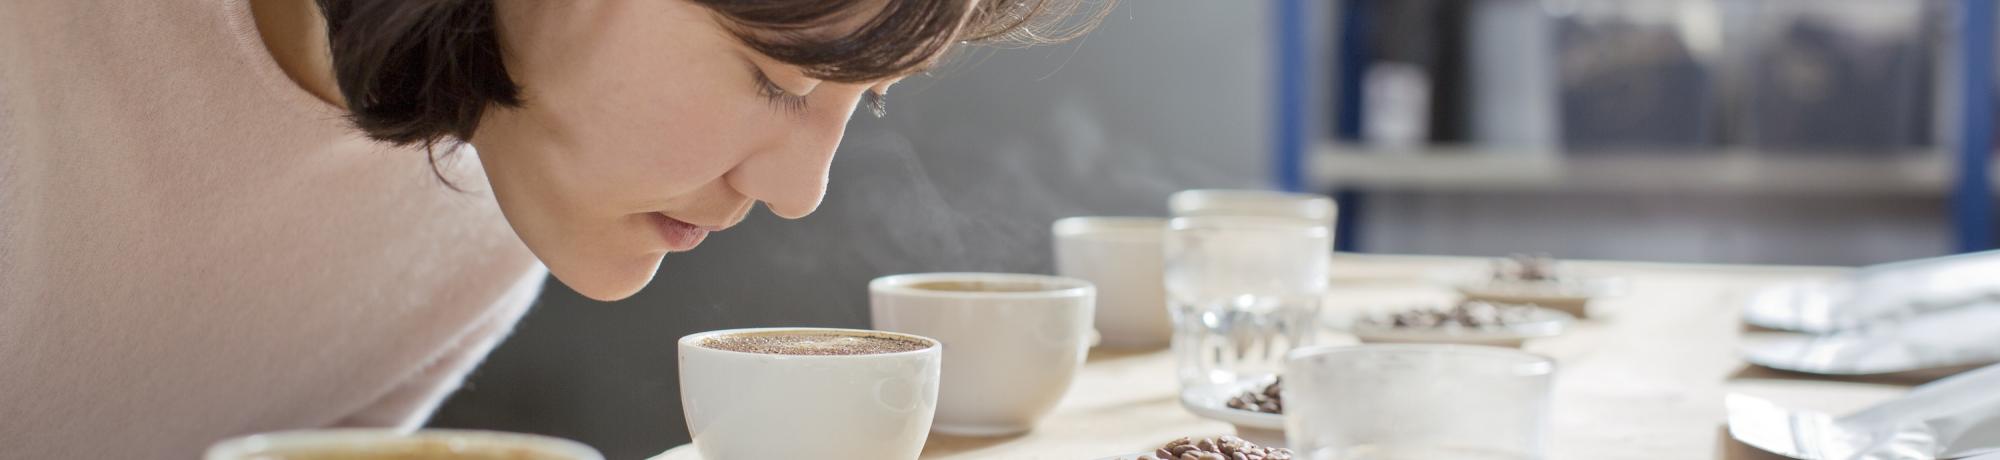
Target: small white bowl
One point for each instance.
(1544, 322)
(1264, 429)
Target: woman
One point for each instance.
(220, 217)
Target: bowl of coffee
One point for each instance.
(808, 393)
(1014, 341)
(1125, 258)
(376, 444)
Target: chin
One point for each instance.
(609, 282)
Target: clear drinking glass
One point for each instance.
(1268, 203)
(1243, 291)
(1409, 402)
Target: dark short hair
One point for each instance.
(415, 72)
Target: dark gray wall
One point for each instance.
(966, 173)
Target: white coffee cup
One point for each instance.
(1012, 342)
(363, 444)
(753, 406)
(1257, 203)
(1122, 256)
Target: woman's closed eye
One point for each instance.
(873, 99)
(778, 96)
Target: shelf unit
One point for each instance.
(1302, 162)
(1917, 173)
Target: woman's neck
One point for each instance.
(295, 33)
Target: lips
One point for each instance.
(679, 235)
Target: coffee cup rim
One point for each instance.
(1084, 225)
(694, 340)
(242, 446)
(1060, 286)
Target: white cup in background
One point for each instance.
(364, 444)
(1122, 256)
(1252, 203)
(1012, 342)
(754, 406)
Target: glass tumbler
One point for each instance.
(1242, 292)
(1408, 402)
(1229, 202)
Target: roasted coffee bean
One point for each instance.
(1524, 267)
(1263, 400)
(1222, 448)
(1468, 314)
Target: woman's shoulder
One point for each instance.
(168, 67)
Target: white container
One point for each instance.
(362, 444)
(754, 406)
(1123, 257)
(1012, 342)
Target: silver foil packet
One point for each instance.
(1956, 338)
(1877, 293)
(1953, 418)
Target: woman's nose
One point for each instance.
(791, 177)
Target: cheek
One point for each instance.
(656, 143)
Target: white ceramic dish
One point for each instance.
(1543, 322)
(1124, 457)
(1213, 402)
(1571, 296)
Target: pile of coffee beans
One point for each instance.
(1474, 314)
(1223, 448)
(1265, 400)
(1524, 267)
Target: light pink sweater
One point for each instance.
(192, 247)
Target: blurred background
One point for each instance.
(1727, 131)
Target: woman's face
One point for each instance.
(645, 125)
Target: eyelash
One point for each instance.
(777, 95)
(796, 104)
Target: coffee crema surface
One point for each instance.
(424, 450)
(982, 286)
(813, 344)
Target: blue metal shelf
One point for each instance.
(1972, 207)
(1291, 139)
(1972, 199)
